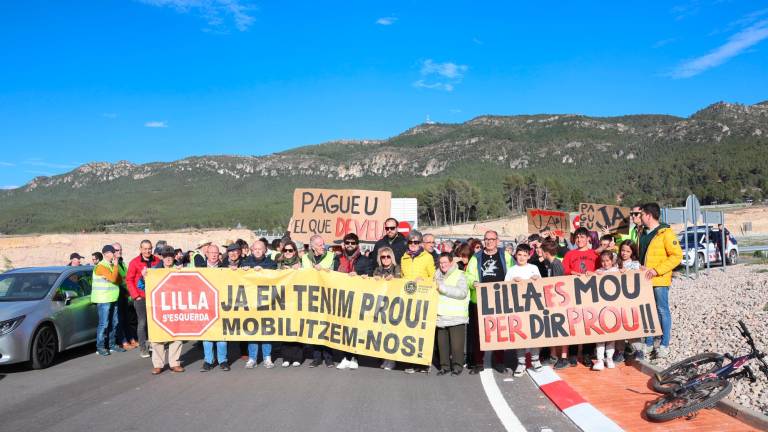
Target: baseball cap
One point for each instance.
(108, 248)
(233, 247)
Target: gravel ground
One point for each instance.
(704, 315)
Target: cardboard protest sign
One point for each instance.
(565, 310)
(595, 217)
(393, 319)
(333, 213)
(555, 221)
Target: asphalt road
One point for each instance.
(84, 391)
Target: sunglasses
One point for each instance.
(386, 257)
(390, 228)
(414, 242)
(635, 213)
(353, 243)
(289, 250)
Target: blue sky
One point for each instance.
(160, 80)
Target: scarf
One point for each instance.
(288, 262)
(347, 262)
(412, 254)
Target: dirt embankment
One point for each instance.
(508, 228)
(54, 249)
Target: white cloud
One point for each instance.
(385, 21)
(156, 124)
(437, 85)
(109, 115)
(448, 69)
(440, 76)
(454, 110)
(735, 45)
(8, 187)
(477, 41)
(214, 12)
(7, 164)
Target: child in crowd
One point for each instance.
(549, 250)
(605, 350)
(607, 263)
(627, 261)
(522, 270)
(628, 256)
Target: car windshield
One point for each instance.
(690, 240)
(25, 286)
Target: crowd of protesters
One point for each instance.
(454, 266)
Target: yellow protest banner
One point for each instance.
(393, 319)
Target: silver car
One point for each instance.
(43, 311)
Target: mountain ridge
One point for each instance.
(483, 151)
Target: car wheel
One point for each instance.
(700, 264)
(45, 344)
(733, 257)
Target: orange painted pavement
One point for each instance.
(622, 394)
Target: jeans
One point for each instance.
(661, 295)
(141, 314)
(125, 332)
(253, 350)
(106, 336)
(221, 351)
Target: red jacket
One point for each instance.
(135, 267)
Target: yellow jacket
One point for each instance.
(663, 255)
(422, 266)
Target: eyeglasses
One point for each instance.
(118, 250)
(426, 242)
(390, 228)
(490, 239)
(353, 243)
(414, 241)
(386, 257)
(289, 250)
(635, 213)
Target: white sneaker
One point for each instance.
(609, 363)
(250, 364)
(536, 365)
(286, 363)
(268, 362)
(599, 365)
(519, 370)
(353, 363)
(344, 364)
(662, 351)
(296, 364)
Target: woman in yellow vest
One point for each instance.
(452, 315)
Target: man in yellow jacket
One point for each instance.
(660, 254)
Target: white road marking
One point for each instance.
(496, 398)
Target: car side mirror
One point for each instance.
(66, 296)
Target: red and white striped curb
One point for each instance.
(581, 412)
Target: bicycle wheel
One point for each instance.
(681, 372)
(687, 402)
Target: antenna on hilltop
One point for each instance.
(429, 121)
